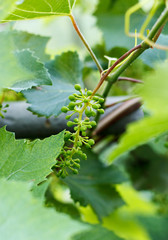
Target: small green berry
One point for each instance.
(101, 111)
(64, 109)
(89, 93)
(91, 142)
(84, 156)
(76, 128)
(77, 87)
(77, 165)
(88, 113)
(76, 120)
(95, 106)
(67, 163)
(67, 136)
(79, 144)
(67, 117)
(86, 100)
(72, 98)
(101, 100)
(70, 123)
(83, 134)
(93, 123)
(72, 105)
(93, 114)
(87, 145)
(83, 128)
(75, 171)
(96, 98)
(77, 160)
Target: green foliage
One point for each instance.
(65, 71)
(155, 226)
(97, 233)
(109, 12)
(154, 93)
(28, 161)
(6, 7)
(97, 192)
(93, 185)
(23, 217)
(20, 66)
(30, 9)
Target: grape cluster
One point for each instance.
(83, 102)
(2, 109)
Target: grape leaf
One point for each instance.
(155, 226)
(96, 233)
(93, 185)
(23, 217)
(154, 92)
(36, 43)
(30, 9)
(65, 71)
(19, 66)
(28, 161)
(5, 7)
(110, 19)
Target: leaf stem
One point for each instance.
(129, 79)
(86, 43)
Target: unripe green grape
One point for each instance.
(101, 111)
(70, 123)
(83, 134)
(68, 163)
(88, 113)
(89, 93)
(101, 100)
(96, 98)
(95, 106)
(63, 175)
(76, 128)
(84, 156)
(87, 145)
(67, 117)
(72, 105)
(93, 114)
(86, 100)
(77, 87)
(89, 126)
(79, 144)
(68, 152)
(67, 136)
(76, 120)
(83, 128)
(75, 171)
(72, 98)
(77, 160)
(93, 123)
(59, 173)
(64, 109)
(77, 165)
(91, 142)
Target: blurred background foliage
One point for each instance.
(135, 206)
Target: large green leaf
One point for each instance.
(28, 161)
(154, 92)
(29, 9)
(23, 217)
(20, 65)
(93, 185)
(5, 7)
(110, 19)
(65, 71)
(36, 43)
(97, 233)
(155, 226)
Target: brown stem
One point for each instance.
(104, 76)
(129, 79)
(86, 43)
